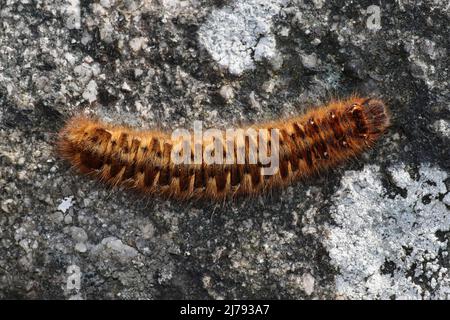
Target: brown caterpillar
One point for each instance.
(142, 160)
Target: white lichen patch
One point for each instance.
(65, 204)
(238, 35)
(390, 247)
(442, 126)
(73, 14)
(90, 93)
(173, 8)
(115, 247)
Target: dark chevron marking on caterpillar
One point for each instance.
(141, 160)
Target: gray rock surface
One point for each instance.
(377, 227)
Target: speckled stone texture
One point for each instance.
(377, 227)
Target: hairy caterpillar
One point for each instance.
(142, 160)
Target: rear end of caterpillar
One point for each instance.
(143, 160)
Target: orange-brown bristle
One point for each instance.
(376, 114)
(308, 144)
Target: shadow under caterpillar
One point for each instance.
(310, 143)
